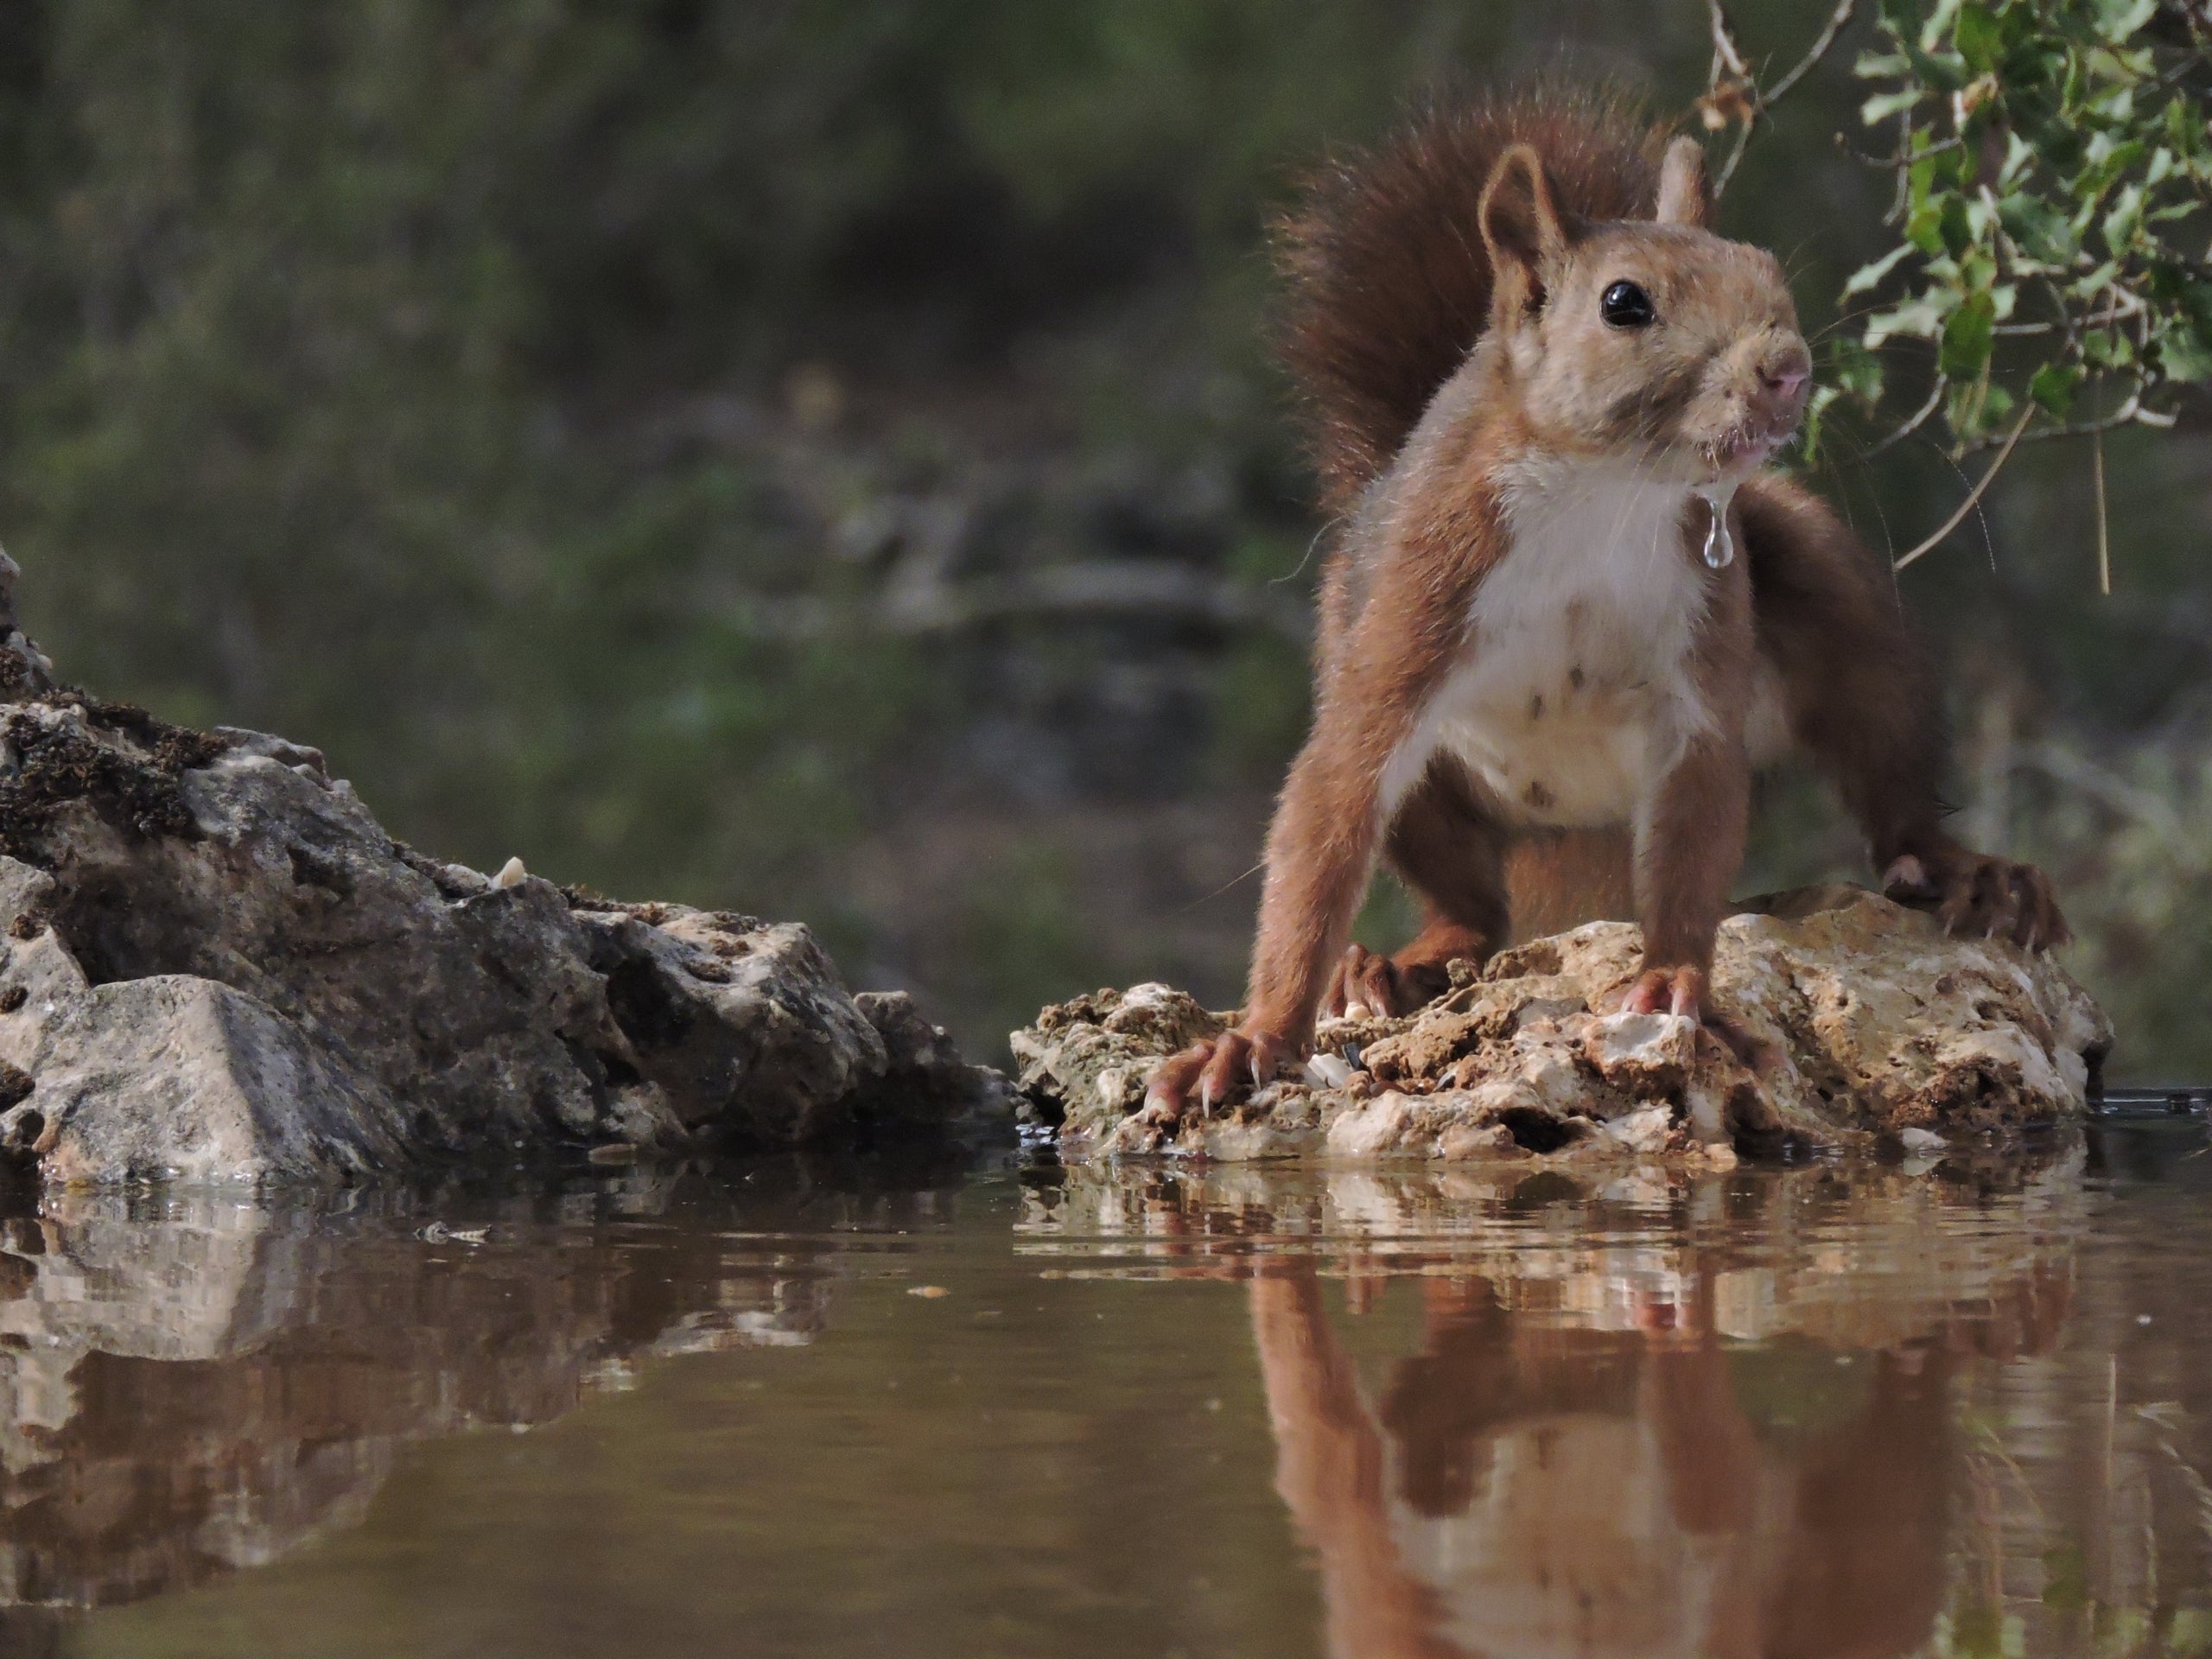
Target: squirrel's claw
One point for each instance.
(1391, 986)
(1215, 1072)
(1365, 982)
(1683, 990)
(1979, 896)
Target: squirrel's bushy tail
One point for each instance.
(1389, 281)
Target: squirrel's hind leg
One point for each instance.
(1451, 853)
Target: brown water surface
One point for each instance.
(798, 1410)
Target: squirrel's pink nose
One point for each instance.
(1783, 376)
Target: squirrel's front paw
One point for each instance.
(1666, 990)
(1682, 989)
(1212, 1073)
(1983, 897)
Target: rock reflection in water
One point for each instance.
(190, 1385)
(1822, 1412)
(1819, 1410)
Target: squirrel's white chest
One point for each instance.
(1576, 692)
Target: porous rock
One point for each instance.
(216, 966)
(1865, 1021)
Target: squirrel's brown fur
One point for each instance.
(1535, 381)
(1388, 285)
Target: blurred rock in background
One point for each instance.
(817, 460)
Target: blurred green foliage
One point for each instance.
(510, 396)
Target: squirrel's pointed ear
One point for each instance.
(1521, 224)
(1683, 198)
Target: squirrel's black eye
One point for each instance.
(1627, 305)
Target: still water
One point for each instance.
(792, 1409)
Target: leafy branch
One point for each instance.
(2053, 168)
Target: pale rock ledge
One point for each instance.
(1874, 1025)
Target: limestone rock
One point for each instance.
(193, 1081)
(1090, 1059)
(218, 966)
(1867, 1019)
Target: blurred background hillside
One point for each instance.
(819, 457)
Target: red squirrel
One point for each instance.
(1566, 611)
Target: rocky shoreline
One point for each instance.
(1873, 1025)
(219, 969)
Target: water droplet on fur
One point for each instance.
(1719, 545)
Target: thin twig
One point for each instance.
(1919, 418)
(1728, 54)
(1735, 155)
(1819, 49)
(1974, 497)
(1903, 158)
(1723, 41)
(2104, 525)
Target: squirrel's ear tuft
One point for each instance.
(1683, 198)
(1521, 227)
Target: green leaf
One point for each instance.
(1968, 338)
(1922, 317)
(1855, 371)
(1809, 428)
(2185, 353)
(1939, 21)
(2088, 287)
(1880, 107)
(1956, 226)
(2108, 349)
(2107, 161)
(2124, 220)
(2039, 229)
(1980, 38)
(2184, 126)
(1869, 277)
(2054, 386)
(1924, 228)
(2117, 20)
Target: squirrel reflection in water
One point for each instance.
(1531, 1490)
